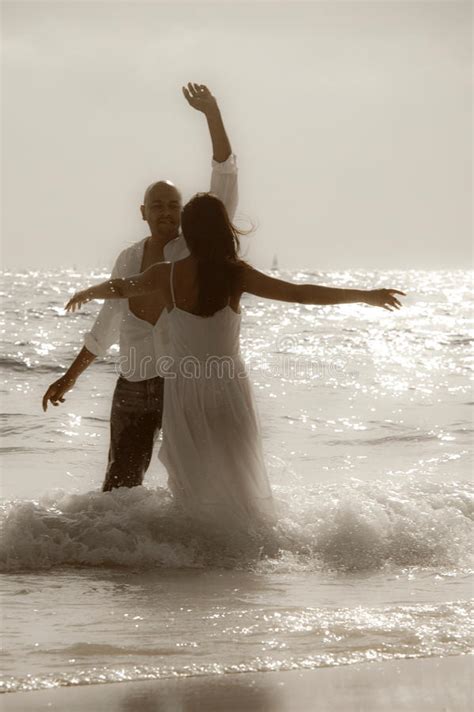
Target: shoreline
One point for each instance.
(407, 685)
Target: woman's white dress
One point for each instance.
(212, 445)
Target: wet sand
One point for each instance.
(434, 684)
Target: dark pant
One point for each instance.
(135, 421)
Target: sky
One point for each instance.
(351, 123)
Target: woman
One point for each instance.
(212, 446)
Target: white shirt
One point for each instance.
(142, 344)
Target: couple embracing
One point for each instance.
(174, 297)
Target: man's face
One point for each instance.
(162, 209)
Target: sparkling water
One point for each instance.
(367, 427)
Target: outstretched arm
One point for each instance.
(151, 280)
(262, 285)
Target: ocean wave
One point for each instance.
(410, 437)
(12, 363)
(358, 526)
(85, 650)
(126, 672)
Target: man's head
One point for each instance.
(162, 209)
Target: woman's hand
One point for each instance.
(77, 300)
(383, 298)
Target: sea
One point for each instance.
(368, 436)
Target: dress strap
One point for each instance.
(171, 284)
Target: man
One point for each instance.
(140, 326)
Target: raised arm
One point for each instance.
(200, 98)
(151, 280)
(224, 177)
(262, 285)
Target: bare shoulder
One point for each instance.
(184, 267)
(250, 276)
(263, 285)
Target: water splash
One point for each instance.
(358, 526)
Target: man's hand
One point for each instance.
(199, 97)
(56, 391)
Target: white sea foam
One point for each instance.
(370, 457)
(352, 527)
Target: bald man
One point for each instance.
(137, 323)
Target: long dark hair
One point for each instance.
(214, 241)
